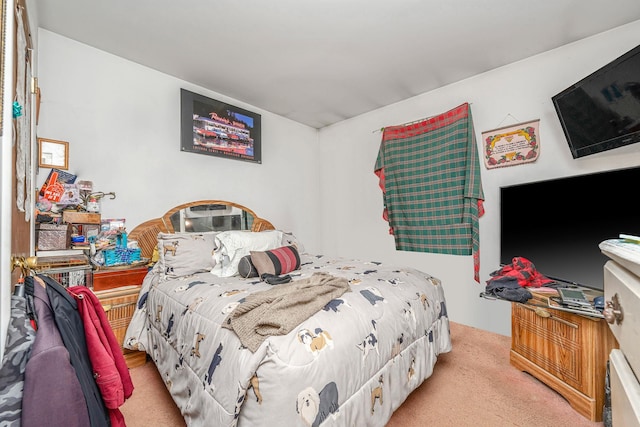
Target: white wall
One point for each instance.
(122, 122)
(522, 90)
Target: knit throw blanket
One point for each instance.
(430, 178)
(280, 309)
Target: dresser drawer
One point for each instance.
(625, 392)
(623, 286)
(110, 279)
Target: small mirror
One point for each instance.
(53, 154)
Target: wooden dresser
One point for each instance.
(566, 351)
(622, 296)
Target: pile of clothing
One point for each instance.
(511, 281)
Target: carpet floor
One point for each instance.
(473, 385)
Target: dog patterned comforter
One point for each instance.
(350, 364)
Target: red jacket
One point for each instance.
(108, 363)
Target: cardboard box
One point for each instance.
(80, 217)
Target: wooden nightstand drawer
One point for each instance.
(110, 279)
(119, 304)
(553, 343)
(566, 351)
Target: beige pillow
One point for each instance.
(182, 254)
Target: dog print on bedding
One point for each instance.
(376, 394)
(373, 295)
(316, 341)
(369, 343)
(215, 362)
(314, 407)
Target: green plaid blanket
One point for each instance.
(430, 176)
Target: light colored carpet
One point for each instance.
(474, 385)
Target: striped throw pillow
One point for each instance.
(276, 261)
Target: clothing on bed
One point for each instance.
(430, 177)
(280, 309)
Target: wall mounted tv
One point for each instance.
(558, 224)
(602, 111)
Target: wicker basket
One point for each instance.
(53, 236)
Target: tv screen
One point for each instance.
(602, 111)
(558, 224)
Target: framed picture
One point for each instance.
(511, 145)
(53, 154)
(218, 129)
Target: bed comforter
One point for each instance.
(351, 363)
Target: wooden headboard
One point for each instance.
(146, 234)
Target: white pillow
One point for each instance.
(233, 245)
(289, 239)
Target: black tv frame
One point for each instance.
(587, 136)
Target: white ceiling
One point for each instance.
(322, 61)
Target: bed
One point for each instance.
(360, 337)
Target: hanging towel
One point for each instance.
(430, 178)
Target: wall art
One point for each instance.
(219, 129)
(511, 145)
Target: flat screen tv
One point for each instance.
(558, 224)
(602, 111)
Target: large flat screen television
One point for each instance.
(558, 224)
(602, 111)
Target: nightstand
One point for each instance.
(566, 351)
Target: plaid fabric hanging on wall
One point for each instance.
(429, 174)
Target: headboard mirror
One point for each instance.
(210, 217)
(198, 216)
